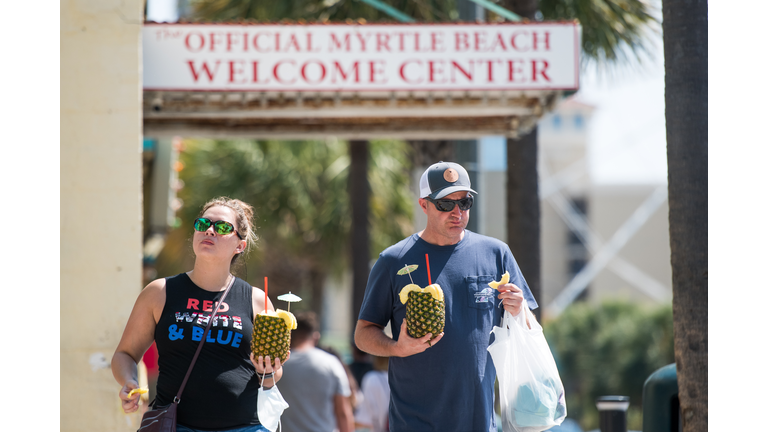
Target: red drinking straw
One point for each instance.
(429, 275)
(265, 294)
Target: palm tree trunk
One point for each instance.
(317, 284)
(686, 82)
(359, 196)
(523, 210)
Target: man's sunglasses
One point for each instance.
(219, 227)
(446, 205)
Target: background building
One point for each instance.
(580, 216)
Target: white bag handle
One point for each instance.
(520, 320)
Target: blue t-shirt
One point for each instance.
(448, 387)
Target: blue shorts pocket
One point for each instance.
(479, 294)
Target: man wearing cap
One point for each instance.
(448, 385)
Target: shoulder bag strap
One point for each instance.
(177, 399)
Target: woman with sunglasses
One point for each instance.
(222, 390)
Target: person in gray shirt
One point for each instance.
(315, 385)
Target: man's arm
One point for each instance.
(370, 337)
(343, 411)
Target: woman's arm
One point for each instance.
(137, 337)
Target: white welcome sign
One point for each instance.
(355, 57)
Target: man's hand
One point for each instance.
(408, 346)
(512, 298)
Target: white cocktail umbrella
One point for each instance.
(290, 298)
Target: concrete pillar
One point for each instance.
(101, 226)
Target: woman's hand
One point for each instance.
(263, 366)
(130, 404)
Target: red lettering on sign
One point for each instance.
(309, 43)
(433, 70)
(336, 43)
(256, 73)
(455, 66)
(376, 71)
(304, 71)
(416, 43)
(192, 304)
(498, 41)
(200, 38)
(214, 40)
(236, 71)
(542, 71)
(513, 42)
(536, 41)
(437, 42)
(362, 40)
(402, 72)
(292, 42)
(462, 41)
(277, 66)
(515, 70)
(479, 41)
(490, 69)
(382, 40)
(402, 36)
(203, 68)
(345, 75)
(230, 42)
(256, 41)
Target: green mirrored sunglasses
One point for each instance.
(219, 227)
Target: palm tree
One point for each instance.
(686, 81)
(359, 193)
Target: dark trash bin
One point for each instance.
(661, 406)
(613, 413)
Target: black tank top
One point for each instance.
(222, 389)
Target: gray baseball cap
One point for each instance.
(444, 178)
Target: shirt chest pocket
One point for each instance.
(479, 294)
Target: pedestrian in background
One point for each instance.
(315, 385)
(446, 384)
(361, 364)
(373, 411)
(355, 395)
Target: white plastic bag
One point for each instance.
(531, 394)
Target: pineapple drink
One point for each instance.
(272, 334)
(424, 310)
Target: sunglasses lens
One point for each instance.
(202, 224)
(223, 227)
(448, 205)
(466, 203)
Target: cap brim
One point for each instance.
(449, 190)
